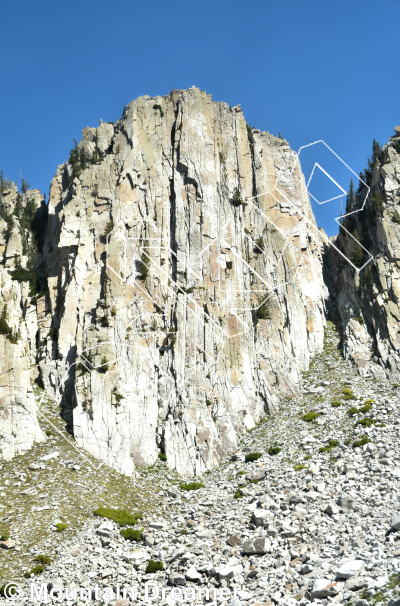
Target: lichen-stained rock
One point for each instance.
(19, 427)
(368, 301)
(186, 292)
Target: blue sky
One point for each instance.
(309, 70)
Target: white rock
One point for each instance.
(193, 575)
(49, 457)
(350, 569)
(323, 588)
(228, 572)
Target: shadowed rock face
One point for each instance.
(185, 324)
(368, 302)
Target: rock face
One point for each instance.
(185, 292)
(368, 301)
(19, 428)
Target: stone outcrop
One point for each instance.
(19, 428)
(185, 291)
(368, 301)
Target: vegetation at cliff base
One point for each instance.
(310, 416)
(131, 535)
(191, 486)
(119, 516)
(154, 566)
(252, 456)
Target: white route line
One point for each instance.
(329, 177)
(203, 318)
(337, 219)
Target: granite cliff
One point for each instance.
(21, 311)
(367, 302)
(185, 298)
(182, 294)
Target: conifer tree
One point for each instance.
(376, 151)
(24, 185)
(357, 252)
(351, 197)
(360, 182)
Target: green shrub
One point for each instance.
(36, 571)
(105, 323)
(162, 456)
(131, 535)
(109, 226)
(43, 559)
(250, 134)
(335, 404)
(113, 311)
(191, 486)
(61, 527)
(172, 336)
(259, 245)
(365, 408)
(143, 266)
(352, 411)
(348, 394)
(236, 198)
(237, 495)
(370, 401)
(331, 444)
(241, 473)
(22, 275)
(273, 450)
(4, 327)
(367, 277)
(299, 467)
(367, 422)
(82, 368)
(307, 457)
(378, 203)
(310, 416)
(252, 456)
(4, 537)
(263, 311)
(11, 590)
(360, 319)
(361, 441)
(48, 433)
(120, 516)
(160, 110)
(154, 566)
(104, 367)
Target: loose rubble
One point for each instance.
(312, 523)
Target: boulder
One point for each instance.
(256, 546)
(350, 569)
(396, 522)
(323, 588)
